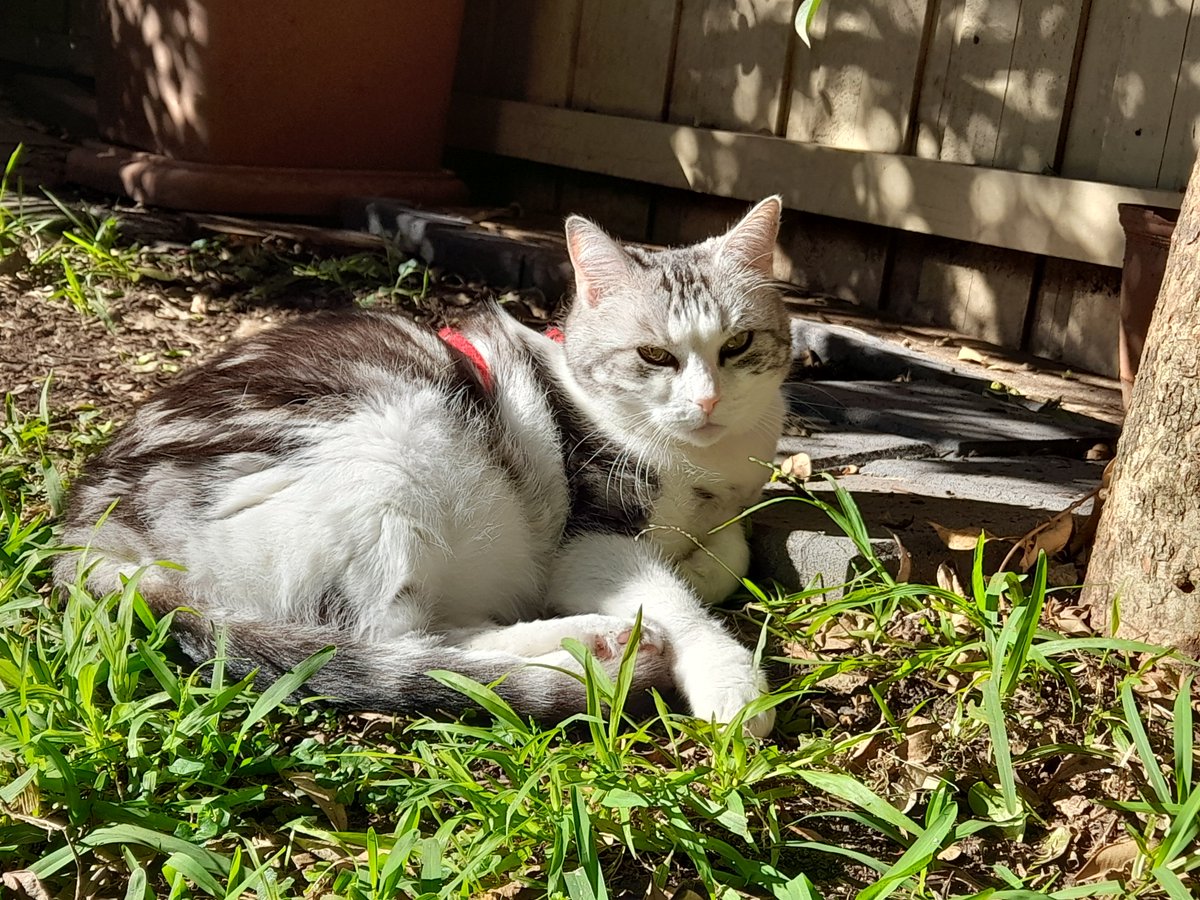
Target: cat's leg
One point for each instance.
(715, 569)
(606, 636)
(617, 576)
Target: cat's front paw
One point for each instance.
(723, 697)
(610, 645)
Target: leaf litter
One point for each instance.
(889, 688)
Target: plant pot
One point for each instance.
(288, 98)
(1148, 231)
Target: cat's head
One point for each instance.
(687, 344)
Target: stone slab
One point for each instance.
(948, 418)
(834, 448)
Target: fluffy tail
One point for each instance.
(392, 677)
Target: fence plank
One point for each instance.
(1183, 134)
(1118, 126)
(1076, 316)
(730, 62)
(624, 57)
(854, 86)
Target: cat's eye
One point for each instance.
(737, 344)
(657, 356)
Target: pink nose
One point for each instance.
(707, 404)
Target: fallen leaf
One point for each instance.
(948, 580)
(24, 885)
(1074, 806)
(1051, 537)
(844, 682)
(961, 538)
(904, 570)
(324, 797)
(1115, 859)
(969, 355)
(917, 746)
(1053, 845)
(798, 465)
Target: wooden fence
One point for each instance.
(955, 162)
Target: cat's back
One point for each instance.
(321, 438)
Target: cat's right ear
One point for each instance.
(600, 264)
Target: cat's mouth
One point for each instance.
(706, 433)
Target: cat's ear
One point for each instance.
(751, 242)
(599, 262)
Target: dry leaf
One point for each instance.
(1053, 845)
(1111, 860)
(1051, 537)
(797, 650)
(865, 752)
(1074, 806)
(917, 746)
(324, 797)
(948, 580)
(24, 885)
(968, 355)
(961, 538)
(904, 570)
(798, 465)
(844, 682)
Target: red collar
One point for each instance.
(459, 342)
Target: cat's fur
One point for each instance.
(353, 481)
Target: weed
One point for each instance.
(122, 774)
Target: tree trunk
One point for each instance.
(1147, 550)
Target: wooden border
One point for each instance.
(1043, 214)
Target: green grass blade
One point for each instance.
(1182, 832)
(852, 790)
(286, 685)
(482, 695)
(1137, 731)
(1024, 635)
(1183, 739)
(993, 711)
(916, 858)
(1170, 882)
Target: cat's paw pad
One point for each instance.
(610, 645)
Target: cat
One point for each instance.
(466, 502)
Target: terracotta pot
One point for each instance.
(1148, 231)
(282, 89)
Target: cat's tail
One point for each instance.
(392, 677)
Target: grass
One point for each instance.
(79, 254)
(123, 775)
(930, 744)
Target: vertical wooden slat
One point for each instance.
(995, 84)
(1183, 134)
(623, 67)
(534, 50)
(854, 86)
(1118, 127)
(625, 49)
(1077, 314)
(729, 66)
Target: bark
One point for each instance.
(1147, 550)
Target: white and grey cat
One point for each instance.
(424, 503)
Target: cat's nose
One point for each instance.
(708, 404)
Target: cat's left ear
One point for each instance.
(751, 242)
